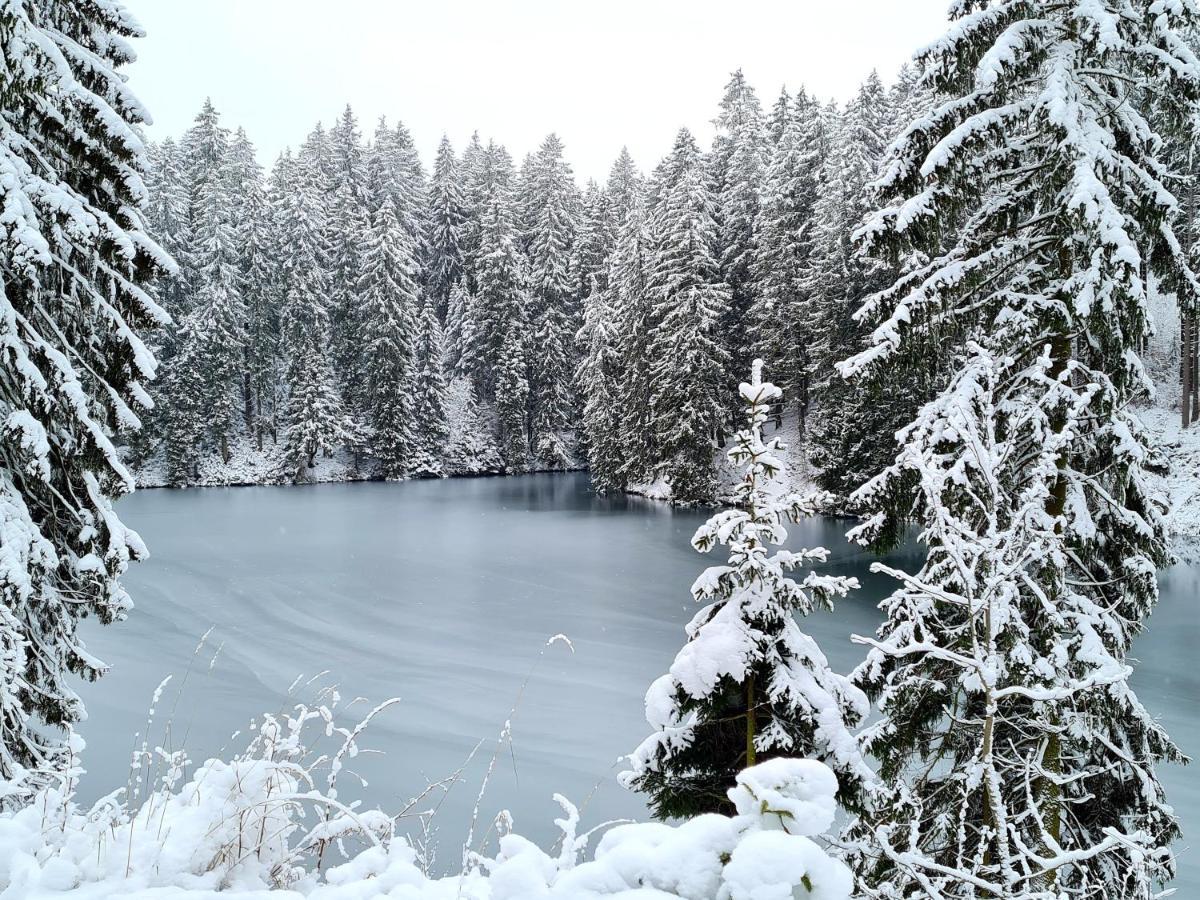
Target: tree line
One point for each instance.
(340, 302)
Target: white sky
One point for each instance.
(601, 73)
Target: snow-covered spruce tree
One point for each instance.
(460, 332)
(749, 684)
(257, 262)
(390, 298)
(447, 222)
(500, 316)
(624, 190)
(167, 217)
(781, 320)
(552, 204)
(1020, 762)
(202, 151)
(346, 229)
(599, 379)
(215, 328)
(850, 438)
(777, 120)
(589, 255)
(315, 419)
(472, 174)
(74, 262)
(410, 185)
(738, 169)
(430, 430)
(688, 302)
(630, 308)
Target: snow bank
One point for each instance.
(797, 476)
(1182, 485)
(270, 822)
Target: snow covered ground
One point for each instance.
(1182, 485)
(257, 824)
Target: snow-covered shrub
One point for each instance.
(259, 822)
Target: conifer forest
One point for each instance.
(915, 368)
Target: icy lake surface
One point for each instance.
(445, 594)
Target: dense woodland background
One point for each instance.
(487, 317)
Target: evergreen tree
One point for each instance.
(447, 224)
(75, 262)
(168, 219)
(461, 358)
(257, 263)
(852, 426)
(475, 189)
(781, 321)
(389, 319)
(500, 316)
(346, 229)
(781, 115)
(552, 211)
(430, 429)
(738, 168)
(688, 304)
(599, 381)
(628, 273)
(589, 255)
(1018, 760)
(215, 329)
(623, 191)
(202, 152)
(316, 421)
(749, 684)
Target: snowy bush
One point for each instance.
(260, 823)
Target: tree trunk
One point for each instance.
(1050, 792)
(1185, 369)
(751, 720)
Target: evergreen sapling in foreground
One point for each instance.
(750, 685)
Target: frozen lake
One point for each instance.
(444, 594)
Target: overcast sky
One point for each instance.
(601, 73)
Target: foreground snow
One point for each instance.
(257, 825)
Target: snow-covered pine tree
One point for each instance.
(213, 341)
(256, 247)
(473, 168)
(628, 271)
(430, 430)
(599, 379)
(346, 235)
(552, 206)
(447, 223)
(391, 298)
(411, 187)
(738, 169)
(624, 190)
(688, 304)
(168, 213)
(461, 348)
(749, 684)
(851, 428)
(168, 219)
(499, 316)
(315, 419)
(1020, 762)
(781, 320)
(589, 255)
(202, 152)
(74, 263)
(777, 121)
